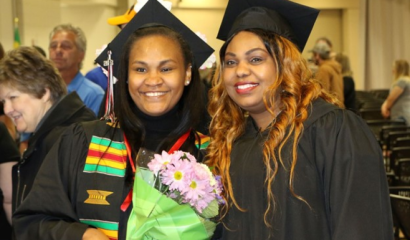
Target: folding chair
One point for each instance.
(371, 113)
(376, 125)
(380, 93)
(396, 154)
(391, 140)
(403, 172)
(402, 142)
(391, 178)
(384, 132)
(400, 190)
(401, 215)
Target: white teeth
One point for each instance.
(246, 86)
(154, 94)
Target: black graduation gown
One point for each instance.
(339, 172)
(56, 208)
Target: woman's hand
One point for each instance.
(94, 234)
(385, 110)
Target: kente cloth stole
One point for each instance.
(105, 157)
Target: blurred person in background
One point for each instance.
(67, 51)
(349, 90)
(397, 104)
(329, 72)
(326, 40)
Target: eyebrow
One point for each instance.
(247, 52)
(7, 95)
(160, 63)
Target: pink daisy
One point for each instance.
(176, 175)
(159, 162)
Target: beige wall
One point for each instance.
(328, 24)
(206, 21)
(6, 24)
(92, 19)
(351, 44)
(36, 27)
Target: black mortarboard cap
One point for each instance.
(153, 13)
(288, 19)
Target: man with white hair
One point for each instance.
(67, 51)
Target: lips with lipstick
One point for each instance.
(243, 88)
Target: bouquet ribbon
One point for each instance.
(156, 216)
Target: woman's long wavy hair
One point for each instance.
(191, 103)
(294, 83)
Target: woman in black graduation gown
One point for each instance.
(83, 189)
(294, 165)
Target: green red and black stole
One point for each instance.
(103, 180)
(203, 141)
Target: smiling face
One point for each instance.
(64, 52)
(24, 109)
(248, 70)
(157, 74)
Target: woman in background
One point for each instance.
(397, 104)
(35, 98)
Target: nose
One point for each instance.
(153, 79)
(55, 48)
(7, 108)
(242, 70)
(58, 49)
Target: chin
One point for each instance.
(21, 130)
(155, 113)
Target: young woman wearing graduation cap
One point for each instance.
(83, 188)
(294, 165)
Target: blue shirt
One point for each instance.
(91, 94)
(97, 76)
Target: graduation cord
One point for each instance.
(177, 145)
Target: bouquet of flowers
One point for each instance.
(174, 197)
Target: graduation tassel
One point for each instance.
(109, 101)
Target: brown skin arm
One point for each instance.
(94, 234)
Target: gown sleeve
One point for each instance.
(48, 212)
(354, 180)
